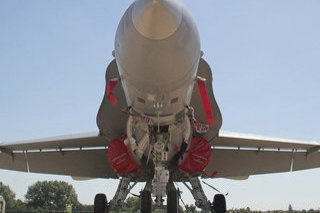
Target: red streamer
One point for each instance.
(110, 86)
(213, 174)
(205, 100)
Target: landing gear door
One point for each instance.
(110, 119)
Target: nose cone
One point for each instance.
(157, 19)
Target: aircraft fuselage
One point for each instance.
(157, 49)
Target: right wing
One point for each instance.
(237, 156)
(82, 155)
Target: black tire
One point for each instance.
(219, 203)
(145, 202)
(173, 202)
(100, 203)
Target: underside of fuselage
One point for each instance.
(120, 114)
(142, 150)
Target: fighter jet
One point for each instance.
(159, 122)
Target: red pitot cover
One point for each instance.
(197, 156)
(120, 157)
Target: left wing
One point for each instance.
(81, 155)
(237, 156)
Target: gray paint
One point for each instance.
(157, 71)
(239, 163)
(68, 141)
(85, 163)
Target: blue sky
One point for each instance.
(265, 57)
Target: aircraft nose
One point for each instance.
(157, 19)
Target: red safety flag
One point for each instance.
(205, 100)
(110, 86)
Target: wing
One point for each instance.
(237, 156)
(82, 155)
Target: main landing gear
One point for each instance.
(219, 202)
(101, 205)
